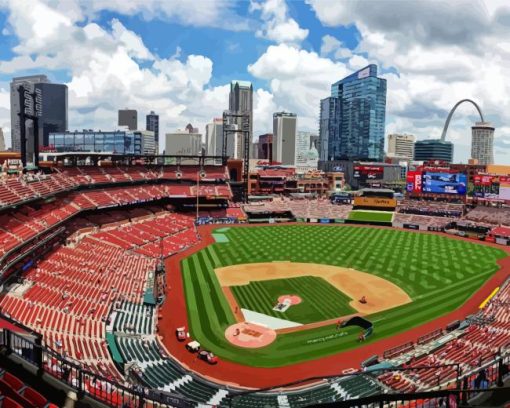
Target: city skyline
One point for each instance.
(290, 51)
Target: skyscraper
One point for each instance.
(433, 149)
(306, 151)
(329, 128)
(265, 147)
(401, 146)
(241, 101)
(284, 137)
(214, 137)
(2, 140)
(129, 118)
(152, 124)
(148, 139)
(352, 119)
(482, 143)
(54, 111)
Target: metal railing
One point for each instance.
(84, 382)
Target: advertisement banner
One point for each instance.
(375, 202)
(480, 180)
(444, 183)
(413, 181)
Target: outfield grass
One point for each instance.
(370, 216)
(320, 300)
(439, 273)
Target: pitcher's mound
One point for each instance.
(250, 335)
(292, 299)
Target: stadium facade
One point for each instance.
(118, 141)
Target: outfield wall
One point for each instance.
(377, 203)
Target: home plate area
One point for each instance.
(250, 335)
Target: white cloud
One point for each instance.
(278, 26)
(199, 13)
(132, 42)
(5, 116)
(329, 44)
(334, 47)
(106, 72)
(264, 107)
(298, 80)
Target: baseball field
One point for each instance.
(407, 278)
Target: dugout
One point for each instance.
(499, 235)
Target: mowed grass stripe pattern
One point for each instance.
(370, 216)
(439, 274)
(320, 300)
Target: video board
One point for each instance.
(492, 187)
(364, 173)
(444, 183)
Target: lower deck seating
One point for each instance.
(302, 208)
(474, 346)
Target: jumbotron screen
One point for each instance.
(444, 183)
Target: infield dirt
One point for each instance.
(380, 293)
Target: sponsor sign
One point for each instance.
(411, 226)
(365, 73)
(483, 180)
(374, 202)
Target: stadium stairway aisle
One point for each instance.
(134, 318)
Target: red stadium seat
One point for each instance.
(9, 403)
(14, 382)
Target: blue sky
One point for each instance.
(177, 57)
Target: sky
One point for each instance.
(177, 57)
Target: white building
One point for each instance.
(183, 143)
(234, 144)
(148, 142)
(214, 137)
(401, 146)
(482, 143)
(307, 155)
(2, 140)
(284, 138)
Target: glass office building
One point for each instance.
(433, 149)
(119, 142)
(352, 120)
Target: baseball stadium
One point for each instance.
(147, 283)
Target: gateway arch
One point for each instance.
(447, 123)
